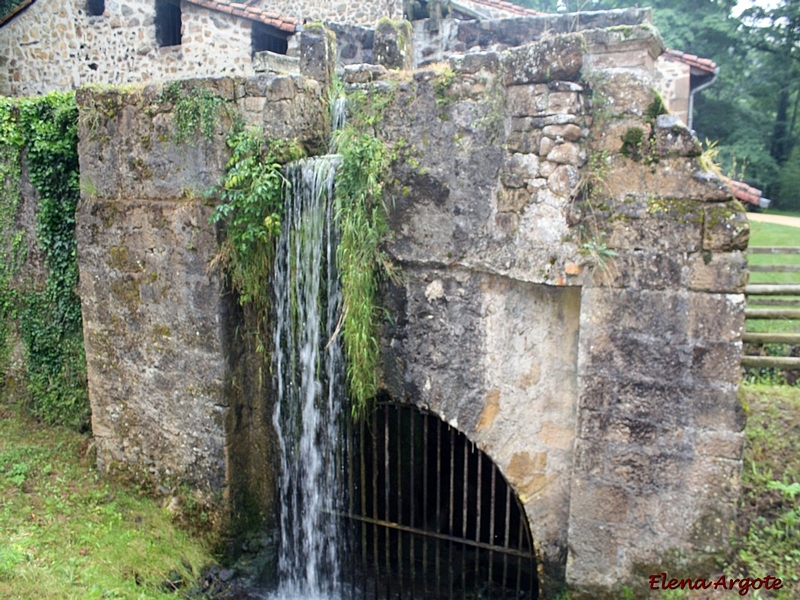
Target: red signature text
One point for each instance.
(741, 585)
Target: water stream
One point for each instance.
(309, 370)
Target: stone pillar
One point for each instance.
(393, 44)
(659, 440)
(318, 53)
(177, 390)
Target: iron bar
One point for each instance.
(450, 511)
(478, 520)
(439, 536)
(399, 496)
(506, 533)
(437, 516)
(424, 502)
(412, 521)
(464, 517)
(375, 498)
(491, 522)
(520, 533)
(387, 487)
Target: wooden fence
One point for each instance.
(782, 301)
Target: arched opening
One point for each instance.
(429, 515)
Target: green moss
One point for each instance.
(689, 211)
(118, 258)
(161, 331)
(656, 107)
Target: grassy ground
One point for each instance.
(769, 521)
(68, 533)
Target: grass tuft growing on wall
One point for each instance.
(361, 217)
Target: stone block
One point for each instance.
(717, 361)
(725, 227)
(726, 272)
(569, 132)
(672, 138)
(393, 44)
(632, 356)
(318, 53)
(567, 154)
(720, 444)
(563, 180)
(527, 100)
(717, 317)
(557, 58)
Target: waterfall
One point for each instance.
(309, 369)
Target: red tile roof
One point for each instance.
(742, 191)
(704, 64)
(240, 9)
(508, 7)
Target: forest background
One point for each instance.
(750, 114)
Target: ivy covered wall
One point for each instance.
(40, 311)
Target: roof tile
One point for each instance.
(692, 60)
(284, 23)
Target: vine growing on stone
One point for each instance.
(50, 323)
(251, 211)
(361, 217)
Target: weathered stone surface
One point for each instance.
(674, 178)
(318, 53)
(393, 44)
(363, 73)
(156, 374)
(558, 58)
(725, 228)
(616, 391)
(726, 273)
(674, 139)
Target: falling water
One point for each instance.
(309, 371)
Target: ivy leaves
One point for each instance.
(50, 319)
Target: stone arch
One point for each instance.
(430, 512)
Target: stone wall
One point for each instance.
(571, 297)
(175, 394)
(524, 224)
(57, 46)
(673, 82)
(363, 12)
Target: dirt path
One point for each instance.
(776, 219)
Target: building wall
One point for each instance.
(672, 81)
(54, 45)
(363, 12)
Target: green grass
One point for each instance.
(767, 234)
(69, 533)
(769, 519)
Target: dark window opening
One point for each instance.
(168, 23)
(268, 38)
(95, 8)
(428, 515)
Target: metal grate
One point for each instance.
(428, 515)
